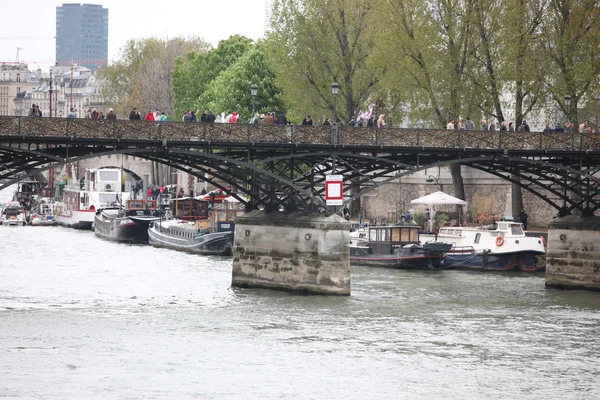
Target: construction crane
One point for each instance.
(18, 50)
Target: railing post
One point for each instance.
(500, 137)
(418, 138)
(67, 129)
(19, 126)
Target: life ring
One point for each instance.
(499, 241)
(543, 240)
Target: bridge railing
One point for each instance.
(285, 134)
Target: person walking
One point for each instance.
(134, 115)
(381, 121)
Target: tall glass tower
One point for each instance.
(82, 35)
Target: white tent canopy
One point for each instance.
(437, 198)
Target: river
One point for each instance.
(83, 318)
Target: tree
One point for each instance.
(313, 43)
(141, 77)
(571, 32)
(230, 90)
(194, 73)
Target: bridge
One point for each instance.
(273, 165)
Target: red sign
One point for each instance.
(334, 191)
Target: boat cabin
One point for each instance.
(190, 209)
(385, 239)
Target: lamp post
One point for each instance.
(253, 92)
(431, 179)
(334, 91)
(568, 107)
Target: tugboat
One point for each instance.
(397, 247)
(129, 224)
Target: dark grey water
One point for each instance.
(82, 318)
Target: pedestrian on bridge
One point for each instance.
(134, 115)
(149, 116)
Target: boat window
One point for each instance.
(385, 235)
(373, 235)
(477, 237)
(516, 229)
(396, 235)
(414, 235)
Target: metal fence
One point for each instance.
(295, 134)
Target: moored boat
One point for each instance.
(13, 214)
(42, 212)
(397, 247)
(503, 246)
(79, 201)
(189, 229)
(129, 224)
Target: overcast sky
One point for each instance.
(31, 24)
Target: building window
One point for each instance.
(18, 77)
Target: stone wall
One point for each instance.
(305, 253)
(573, 256)
(396, 196)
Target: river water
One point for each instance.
(83, 318)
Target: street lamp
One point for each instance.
(568, 107)
(253, 92)
(334, 91)
(431, 179)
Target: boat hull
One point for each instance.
(218, 244)
(522, 261)
(123, 229)
(75, 219)
(404, 258)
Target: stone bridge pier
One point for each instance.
(573, 255)
(302, 253)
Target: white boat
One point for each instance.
(79, 202)
(13, 214)
(503, 246)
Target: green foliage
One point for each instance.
(194, 73)
(441, 218)
(419, 219)
(230, 91)
(313, 43)
(220, 79)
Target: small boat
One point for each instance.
(502, 246)
(397, 247)
(13, 214)
(42, 212)
(129, 224)
(189, 229)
